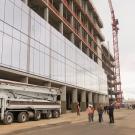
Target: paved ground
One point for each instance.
(70, 124)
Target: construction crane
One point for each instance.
(115, 30)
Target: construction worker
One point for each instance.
(110, 113)
(90, 113)
(78, 109)
(100, 111)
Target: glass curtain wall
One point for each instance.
(29, 44)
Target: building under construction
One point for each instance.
(109, 65)
(56, 43)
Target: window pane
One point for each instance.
(23, 57)
(2, 3)
(31, 60)
(1, 36)
(15, 53)
(8, 29)
(36, 61)
(7, 44)
(17, 18)
(1, 26)
(9, 12)
(24, 22)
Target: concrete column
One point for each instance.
(90, 98)
(96, 101)
(86, 7)
(61, 13)
(80, 45)
(87, 38)
(74, 100)
(92, 32)
(72, 38)
(72, 18)
(83, 101)
(61, 28)
(101, 99)
(80, 30)
(88, 52)
(80, 15)
(106, 98)
(72, 5)
(63, 99)
(46, 14)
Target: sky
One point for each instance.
(125, 12)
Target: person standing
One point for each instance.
(90, 113)
(93, 110)
(78, 109)
(100, 111)
(111, 113)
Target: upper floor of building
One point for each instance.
(77, 20)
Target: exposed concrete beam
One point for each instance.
(25, 80)
(48, 84)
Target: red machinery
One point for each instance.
(115, 30)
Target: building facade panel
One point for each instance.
(30, 44)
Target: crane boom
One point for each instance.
(115, 30)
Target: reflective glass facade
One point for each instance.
(29, 44)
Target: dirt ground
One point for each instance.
(124, 120)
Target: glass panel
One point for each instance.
(36, 61)
(6, 57)
(32, 28)
(23, 57)
(16, 34)
(17, 18)
(42, 63)
(18, 3)
(37, 31)
(9, 12)
(24, 38)
(1, 26)
(47, 62)
(15, 53)
(24, 22)
(2, 5)
(1, 36)
(31, 59)
(8, 29)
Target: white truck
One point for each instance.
(23, 102)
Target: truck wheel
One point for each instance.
(8, 118)
(48, 114)
(37, 115)
(55, 114)
(22, 117)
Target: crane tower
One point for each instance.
(115, 30)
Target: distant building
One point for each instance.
(56, 43)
